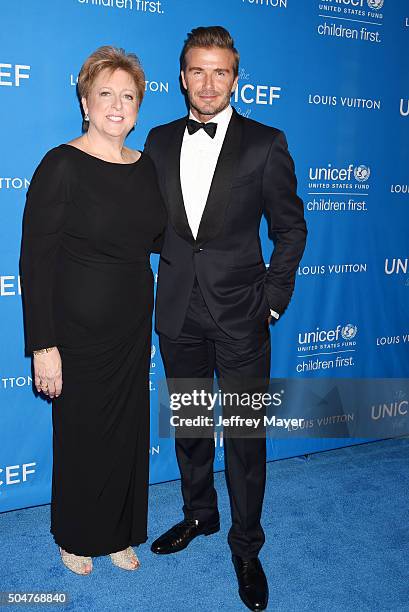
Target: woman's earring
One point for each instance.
(86, 117)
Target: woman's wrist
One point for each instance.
(44, 350)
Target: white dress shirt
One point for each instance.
(198, 159)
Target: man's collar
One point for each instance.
(221, 118)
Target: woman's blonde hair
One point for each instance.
(110, 58)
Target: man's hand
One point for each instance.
(48, 373)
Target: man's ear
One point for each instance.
(182, 76)
(233, 87)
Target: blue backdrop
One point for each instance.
(333, 74)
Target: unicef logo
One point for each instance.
(349, 331)
(362, 173)
(375, 4)
(153, 351)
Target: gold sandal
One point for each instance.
(76, 563)
(125, 559)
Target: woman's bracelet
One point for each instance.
(46, 350)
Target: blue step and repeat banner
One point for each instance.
(333, 74)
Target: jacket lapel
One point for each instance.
(219, 193)
(177, 212)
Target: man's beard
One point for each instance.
(206, 110)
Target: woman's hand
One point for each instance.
(48, 373)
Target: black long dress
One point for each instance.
(89, 228)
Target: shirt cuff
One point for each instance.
(274, 314)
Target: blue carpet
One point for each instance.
(337, 539)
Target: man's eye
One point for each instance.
(104, 93)
(221, 73)
(129, 96)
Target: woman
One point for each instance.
(92, 215)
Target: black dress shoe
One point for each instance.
(180, 535)
(253, 587)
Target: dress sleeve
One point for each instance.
(44, 216)
(159, 203)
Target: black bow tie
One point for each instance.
(193, 126)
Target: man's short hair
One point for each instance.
(207, 37)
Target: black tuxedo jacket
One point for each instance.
(254, 175)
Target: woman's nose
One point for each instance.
(117, 102)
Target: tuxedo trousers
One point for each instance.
(201, 350)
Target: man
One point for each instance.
(219, 172)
